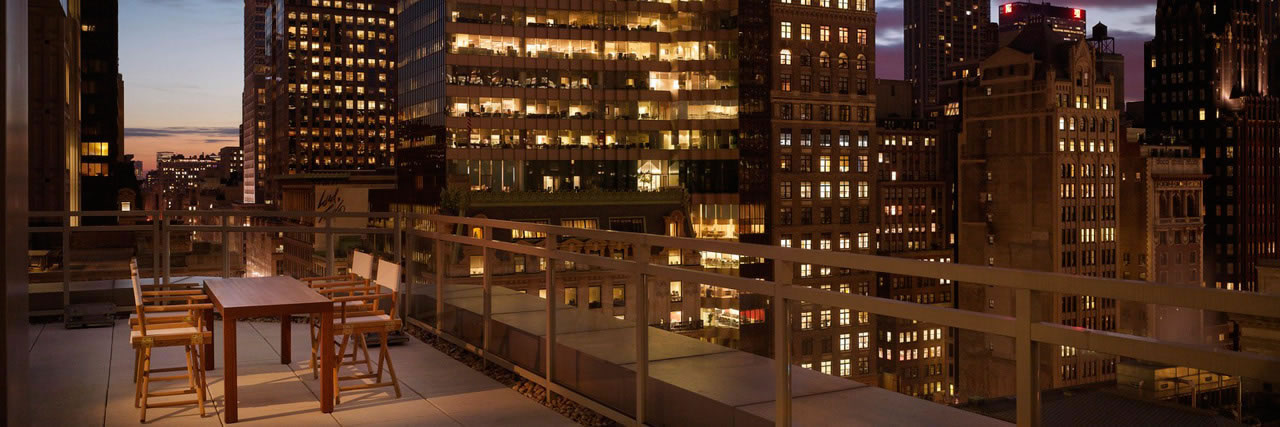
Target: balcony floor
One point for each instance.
(84, 377)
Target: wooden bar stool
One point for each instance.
(359, 315)
(161, 319)
(147, 335)
(355, 281)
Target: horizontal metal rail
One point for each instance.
(1127, 290)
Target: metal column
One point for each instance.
(783, 273)
(551, 242)
(1027, 355)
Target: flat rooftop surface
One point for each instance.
(83, 377)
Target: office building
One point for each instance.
(1212, 90)
(913, 201)
(1161, 237)
(941, 32)
(253, 125)
(107, 180)
(1064, 23)
(759, 116)
(822, 126)
(330, 90)
(54, 109)
(1037, 180)
(576, 99)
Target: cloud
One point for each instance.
(217, 140)
(172, 131)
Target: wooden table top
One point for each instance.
(252, 296)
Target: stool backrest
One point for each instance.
(133, 277)
(388, 275)
(362, 264)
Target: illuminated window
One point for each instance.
(93, 169)
(95, 149)
(784, 57)
(860, 5)
(843, 34)
(824, 33)
(785, 31)
(864, 190)
(844, 189)
(846, 341)
(805, 32)
(864, 340)
(864, 240)
(862, 36)
(824, 190)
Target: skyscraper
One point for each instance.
(54, 90)
(761, 117)
(938, 33)
(330, 87)
(104, 172)
(1037, 179)
(1214, 90)
(253, 127)
(818, 131)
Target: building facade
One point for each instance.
(253, 125)
(1038, 178)
(1213, 90)
(106, 176)
(821, 126)
(54, 109)
(1161, 237)
(330, 93)
(938, 33)
(913, 201)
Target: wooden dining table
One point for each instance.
(279, 296)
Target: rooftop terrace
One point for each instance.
(632, 375)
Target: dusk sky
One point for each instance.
(182, 62)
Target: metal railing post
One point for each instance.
(329, 267)
(551, 242)
(441, 265)
(1027, 355)
(783, 273)
(640, 254)
(226, 246)
(168, 255)
(396, 239)
(486, 281)
(66, 262)
(399, 259)
(411, 271)
(155, 248)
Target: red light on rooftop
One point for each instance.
(1008, 8)
(1077, 13)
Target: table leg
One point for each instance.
(286, 338)
(208, 347)
(229, 370)
(326, 362)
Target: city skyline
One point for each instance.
(190, 103)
